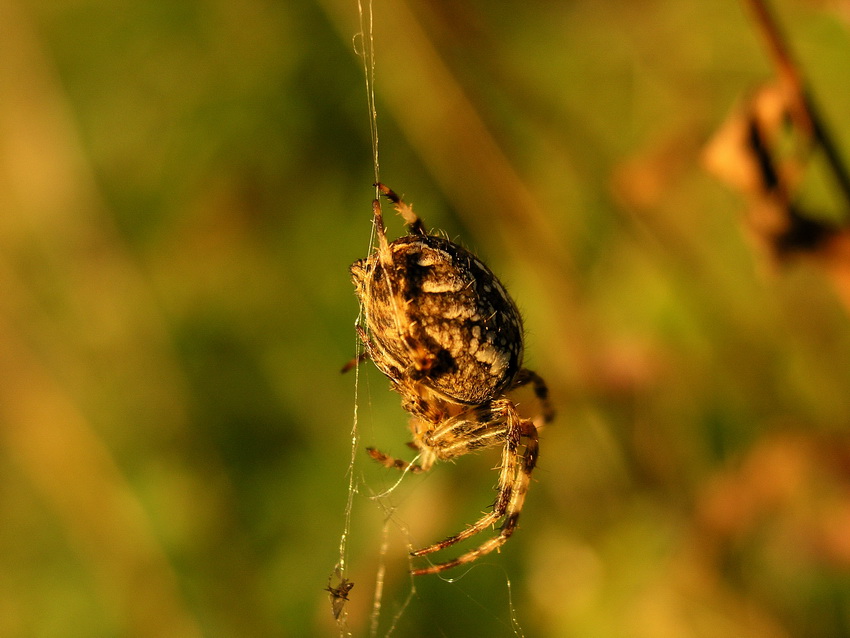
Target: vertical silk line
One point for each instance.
(368, 57)
(367, 54)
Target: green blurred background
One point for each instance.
(182, 188)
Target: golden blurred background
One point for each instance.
(182, 188)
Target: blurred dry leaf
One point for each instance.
(764, 150)
(735, 153)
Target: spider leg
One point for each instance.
(541, 391)
(368, 352)
(514, 479)
(385, 258)
(372, 352)
(453, 439)
(426, 458)
(392, 462)
(353, 363)
(404, 209)
(384, 253)
(422, 358)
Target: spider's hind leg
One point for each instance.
(541, 391)
(514, 479)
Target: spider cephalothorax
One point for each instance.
(444, 330)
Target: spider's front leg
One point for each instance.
(426, 456)
(400, 464)
(385, 255)
(504, 424)
(354, 362)
(404, 209)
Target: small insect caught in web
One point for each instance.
(440, 325)
(339, 596)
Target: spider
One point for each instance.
(445, 332)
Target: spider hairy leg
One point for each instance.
(370, 353)
(353, 363)
(541, 391)
(404, 209)
(392, 462)
(514, 479)
(384, 253)
(452, 441)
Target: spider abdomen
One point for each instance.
(441, 318)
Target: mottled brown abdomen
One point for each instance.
(441, 318)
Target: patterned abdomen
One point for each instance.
(442, 317)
